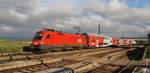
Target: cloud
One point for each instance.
(115, 16)
(5, 28)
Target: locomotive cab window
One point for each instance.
(47, 36)
(38, 36)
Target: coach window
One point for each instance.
(48, 36)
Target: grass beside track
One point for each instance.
(12, 46)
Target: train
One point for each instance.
(47, 40)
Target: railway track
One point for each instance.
(19, 53)
(39, 67)
(87, 68)
(20, 56)
(73, 61)
(136, 58)
(123, 64)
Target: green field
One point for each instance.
(12, 46)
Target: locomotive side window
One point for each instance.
(48, 36)
(38, 36)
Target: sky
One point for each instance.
(22, 18)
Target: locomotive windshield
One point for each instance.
(38, 36)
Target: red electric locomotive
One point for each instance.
(51, 40)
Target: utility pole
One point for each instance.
(99, 27)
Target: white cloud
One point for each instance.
(26, 16)
(18, 15)
(5, 28)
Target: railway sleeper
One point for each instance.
(72, 68)
(19, 64)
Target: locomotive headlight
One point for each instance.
(36, 43)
